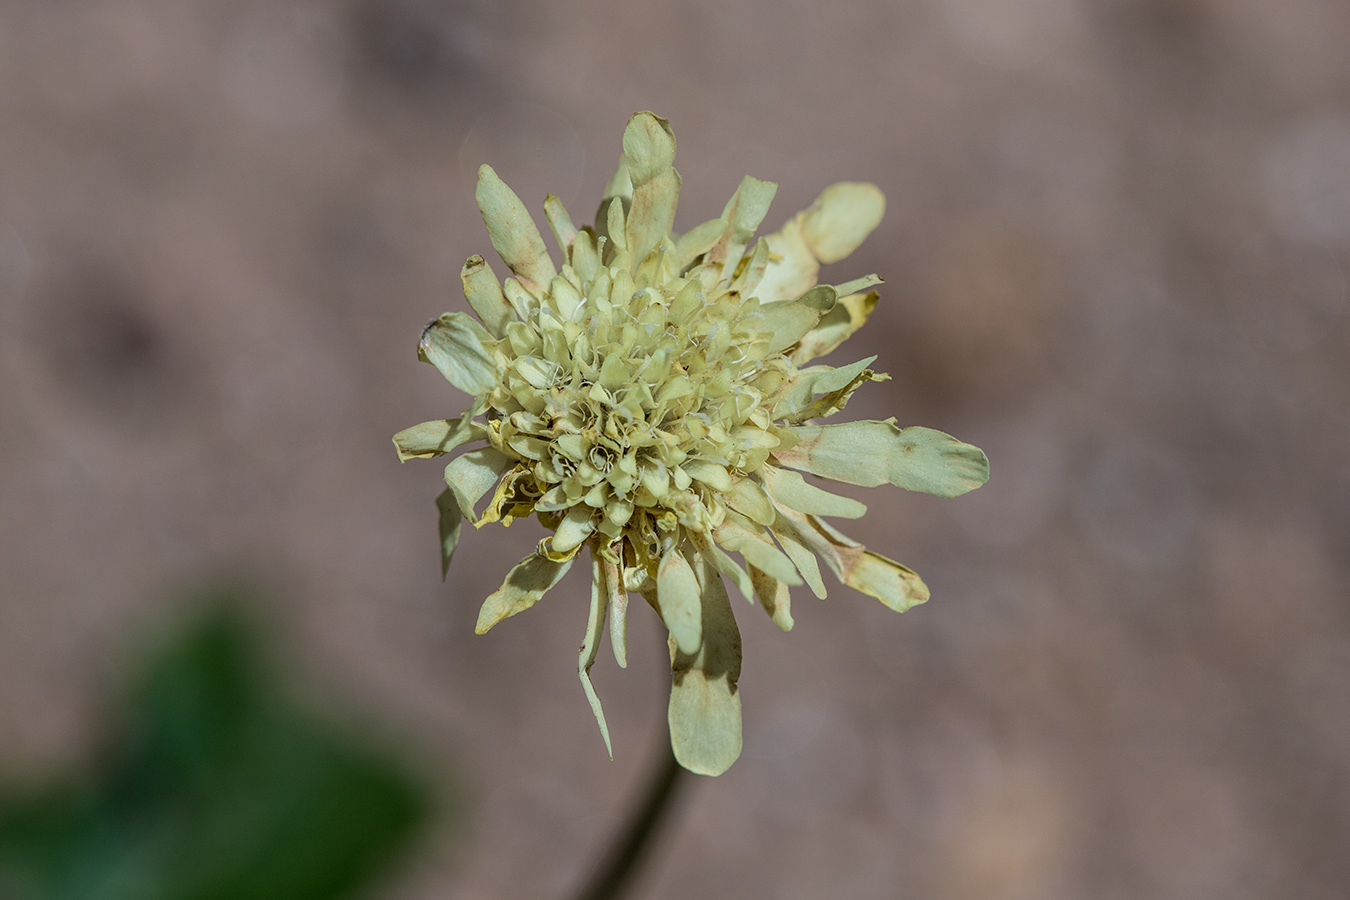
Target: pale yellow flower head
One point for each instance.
(646, 402)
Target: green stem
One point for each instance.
(619, 864)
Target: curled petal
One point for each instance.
(835, 327)
(590, 647)
(471, 475)
(894, 585)
(437, 437)
(451, 518)
(841, 219)
(524, 585)
(458, 347)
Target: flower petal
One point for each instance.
(841, 218)
(705, 706)
(870, 453)
(484, 293)
(437, 437)
(561, 225)
(828, 230)
(457, 346)
(790, 320)
(799, 553)
(698, 241)
(513, 232)
(741, 536)
(524, 585)
(471, 475)
(649, 151)
(774, 596)
(724, 564)
(677, 599)
(590, 647)
(744, 211)
(792, 268)
(835, 327)
(617, 593)
(789, 489)
(894, 585)
(575, 527)
(451, 517)
(798, 393)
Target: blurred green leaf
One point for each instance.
(217, 788)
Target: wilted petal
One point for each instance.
(739, 536)
(790, 320)
(484, 293)
(792, 268)
(677, 599)
(724, 564)
(841, 219)
(617, 594)
(830, 229)
(835, 327)
(791, 490)
(575, 527)
(457, 346)
(649, 150)
(437, 437)
(870, 453)
(512, 231)
(590, 646)
(894, 585)
(561, 224)
(798, 393)
(451, 518)
(744, 211)
(774, 596)
(705, 706)
(802, 556)
(524, 585)
(698, 241)
(471, 475)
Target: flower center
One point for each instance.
(635, 399)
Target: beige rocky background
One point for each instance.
(1117, 254)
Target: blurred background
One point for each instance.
(1117, 257)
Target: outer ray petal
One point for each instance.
(870, 453)
(457, 346)
(677, 599)
(437, 437)
(471, 475)
(894, 585)
(705, 706)
(451, 518)
(524, 585)
(835, 327)
(788, 489)
(617, 593)
(590, 647)
(649, 151)
(774, 597)
(512, 231)
(484, 293)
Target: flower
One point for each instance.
(649, 402)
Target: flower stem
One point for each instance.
(615, 870)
